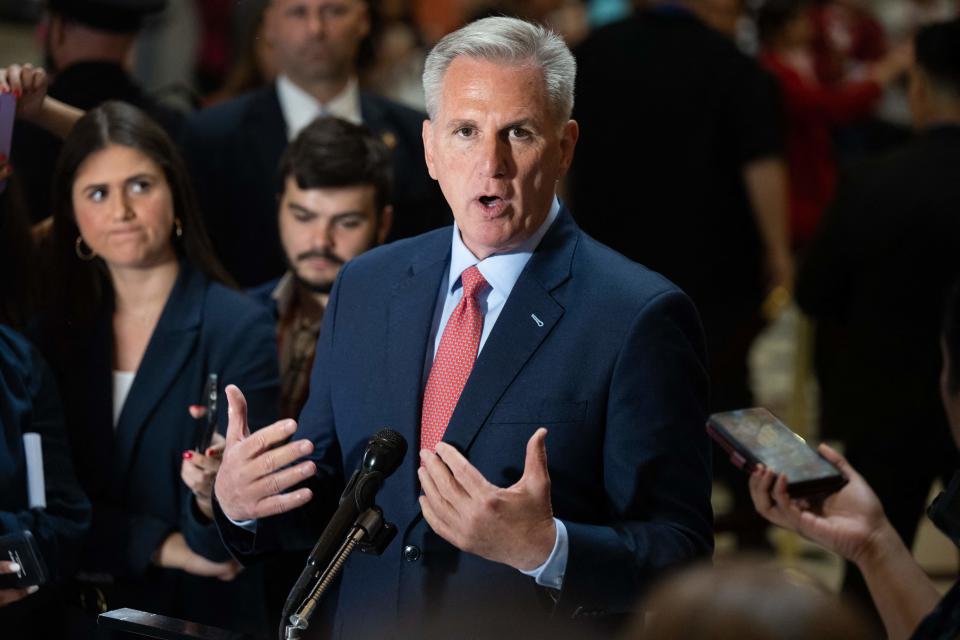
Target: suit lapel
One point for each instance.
(411, 311)
(171, 345)
(527, 319)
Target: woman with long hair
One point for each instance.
(139, 316)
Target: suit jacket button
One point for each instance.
(411, 553)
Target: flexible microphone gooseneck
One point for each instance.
(383, 455)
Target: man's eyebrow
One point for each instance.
(302, 209)
(523, 123)
(347, 214)
(462, 122)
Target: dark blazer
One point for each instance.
(29, 403)
(233, 151)
(263, 295)
(875, 275)
(132, 473)
(614, 369)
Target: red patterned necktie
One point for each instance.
(454, 361)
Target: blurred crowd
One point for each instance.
(755, 152)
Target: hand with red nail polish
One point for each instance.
(28, 85)
(197, 411)
(199, 470)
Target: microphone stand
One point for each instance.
(372, 535)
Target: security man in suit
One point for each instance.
(233, 149)
(474, 342)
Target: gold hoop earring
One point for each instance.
(84, 252)
(178, 227)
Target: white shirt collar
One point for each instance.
(299, 108)
(500, 270)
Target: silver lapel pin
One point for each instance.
(536, 319)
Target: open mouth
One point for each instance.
(490, 202)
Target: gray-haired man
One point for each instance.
(481, 336)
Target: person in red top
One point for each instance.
(812, 108)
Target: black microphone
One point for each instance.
(384, 453)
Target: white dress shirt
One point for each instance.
(299, 108)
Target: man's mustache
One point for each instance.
(320, 253)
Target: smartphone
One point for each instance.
(8, 111)
(21, 547)
(755, 436)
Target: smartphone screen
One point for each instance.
(8, 110)
(756, 436)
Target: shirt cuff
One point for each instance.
(550, 573)
(247, 525)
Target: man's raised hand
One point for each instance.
(255, 470)
(512, 525)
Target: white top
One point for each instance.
(122, 381)
(300, 108)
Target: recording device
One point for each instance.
(210, 427)
(756, 436)
(357, 520)
(21, 547)
(8, 112)
(944, 511)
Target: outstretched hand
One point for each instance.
(255, 469)
(512, 525)
(845, 522)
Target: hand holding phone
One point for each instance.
(21, 549)
(755, 436)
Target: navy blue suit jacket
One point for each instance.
(132, 473)
(614, 369)
(29, 403)
(233, 151)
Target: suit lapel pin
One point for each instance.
(389, 139)
(536, 319)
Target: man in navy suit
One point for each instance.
(233, 149)
(518, 325)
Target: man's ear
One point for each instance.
(386, 222)
(427, 134)
(568, 142)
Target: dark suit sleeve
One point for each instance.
(245, 356)
(656, 465)
(125, 542)
(59, 529)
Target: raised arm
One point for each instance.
(29, 86)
